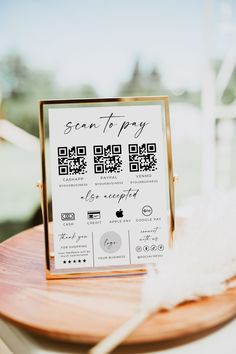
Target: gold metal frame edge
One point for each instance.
(45, 213)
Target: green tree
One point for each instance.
(22, 88)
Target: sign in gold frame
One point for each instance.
(43, 106)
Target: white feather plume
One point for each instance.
(201, 263)
(202, 260)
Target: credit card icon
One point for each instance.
(94, 214)
(67, 216)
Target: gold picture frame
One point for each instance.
(43, 106)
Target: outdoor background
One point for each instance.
(75, 49)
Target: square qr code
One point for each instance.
(71, 161)
(107, 159)
(142, 157)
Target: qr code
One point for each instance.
(107, 159)
(71, 161)
(142, 157)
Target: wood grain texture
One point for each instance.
(86, 310)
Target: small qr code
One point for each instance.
(142, 157)
(71, 161)
(107, 159)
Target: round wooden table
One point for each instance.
(86, 310)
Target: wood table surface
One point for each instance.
(86, 310)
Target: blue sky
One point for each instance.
(98, 41)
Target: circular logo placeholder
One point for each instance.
(110, 242)
(147, 210)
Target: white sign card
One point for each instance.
(109, 186)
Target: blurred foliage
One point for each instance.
(150, 83)
(22, 87)
(229, 95)
(9, 228)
